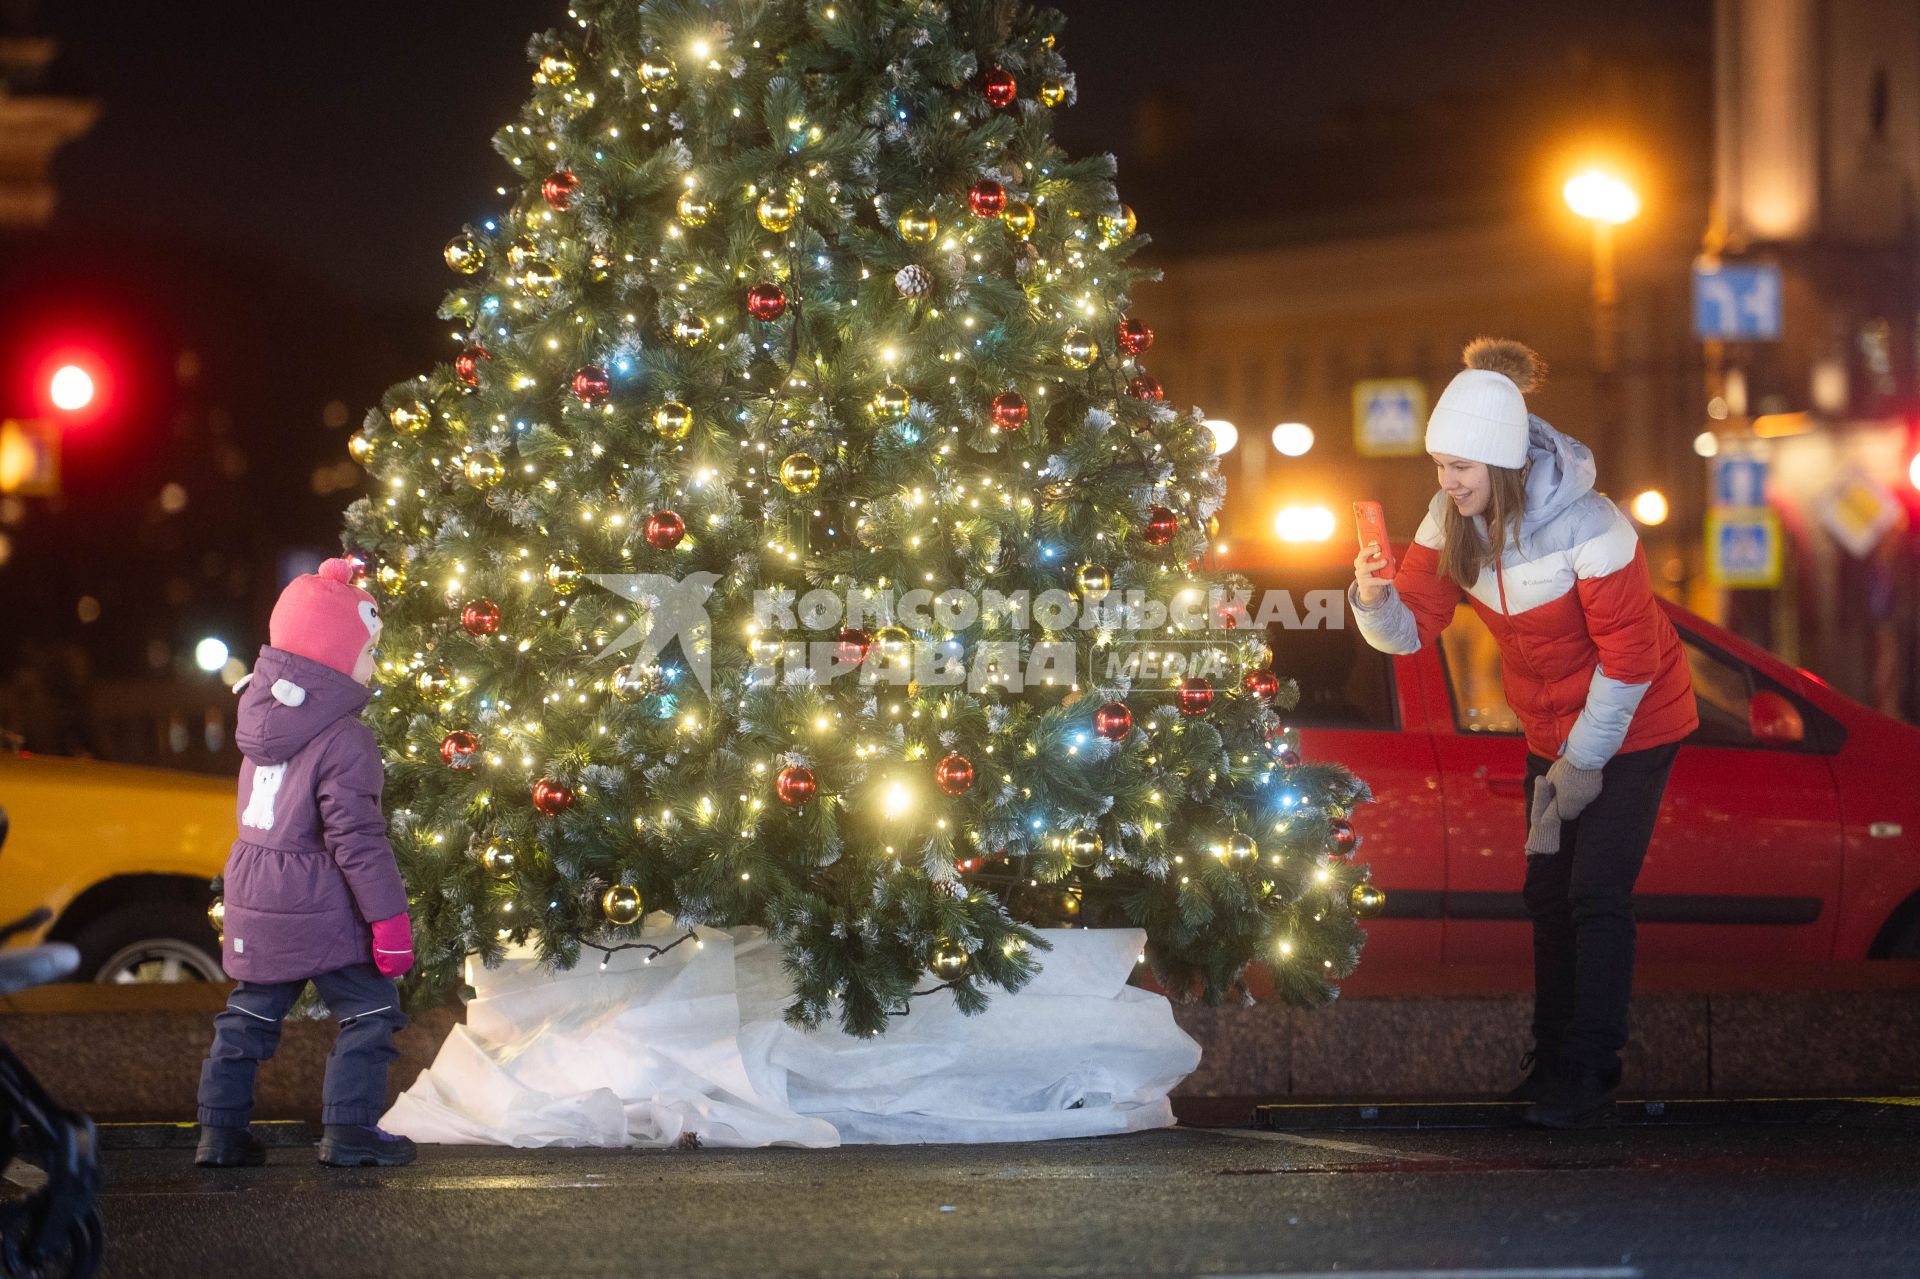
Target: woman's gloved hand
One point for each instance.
(393, 945)
(1562, 795)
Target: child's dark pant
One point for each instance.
(247, 1030)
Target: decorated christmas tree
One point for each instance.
(795, 537)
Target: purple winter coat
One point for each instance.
(312, 865)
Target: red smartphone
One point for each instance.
(1371, 522)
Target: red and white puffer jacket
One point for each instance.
(1591, 665)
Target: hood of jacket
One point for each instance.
(1561, 472)
(288, 701)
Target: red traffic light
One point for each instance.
(73, 385)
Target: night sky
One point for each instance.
(351, 139)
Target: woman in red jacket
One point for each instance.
(1593, 669)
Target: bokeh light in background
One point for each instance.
(1293, 438)
(70, 388)
(1225, 435)
(210, 654)
(1650, 507)
(1304, 524)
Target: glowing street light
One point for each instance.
(71, 388)
(1600, 196)
(1225, 435)
(1650, 507)
(1293, 438)
(210, 654)
(1304, 524)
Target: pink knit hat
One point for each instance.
(323, 616)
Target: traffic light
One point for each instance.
(73, 385)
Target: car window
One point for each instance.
(1344, 681)
(1471, 658)
(1723, 691)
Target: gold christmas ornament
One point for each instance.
(465, 254)
(918, 226)
(1095, 580)
(1079, 349)
(1366, 900)
(563, 574)
(522, 251)
(656, 74)
(410, 417)
(892, 642)
(1020, 218)
(557, 69)
(1053, 92)
(673, 420)
(1119, 226)
(621, 905)
(540, 278)
(1240, 846)
(690, 329)
(433, 681)
(600, 265)
(891, 402)
(484, 470)
(498, 859)
(949, 960)
(392, 578)
(217, 916)
(359, 448)
(692, 210)
(800, 473)
(1256, 651)
(641, 679)
(776, 213)
(1084, 847)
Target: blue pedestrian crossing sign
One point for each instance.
(1739, 481)
(1736, 302)
(1743, 548)
(1390, 417)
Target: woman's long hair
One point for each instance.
(1463, 551)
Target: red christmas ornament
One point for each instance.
(552, 797)
(481, 617)
(1162, 524)
(466, 365)
(1113, 721)
(795, 785)
(1289, 757)
(1263, 684)
(1009, 410)
(457, 748)
(1146, 388)
(592, 385)
(362, 561)
(854, 644)
(1195, 696)
(1343, 836)
(664, 530)
(954, 774)
(1000, 87)
(1133, 335)
(988, 199)
(766, 302)
(1228, 618)
(559, 188)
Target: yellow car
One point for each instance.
(122, 856)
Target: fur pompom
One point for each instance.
(1503, 355)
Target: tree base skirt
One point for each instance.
(693, 1046)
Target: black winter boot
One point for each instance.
(355, 1146)
(229, 1148)
(1574, 1099)
(1541, 1066)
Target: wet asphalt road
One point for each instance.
(1612, 1204)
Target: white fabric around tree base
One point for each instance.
(640, 1054)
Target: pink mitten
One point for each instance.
(393, 945)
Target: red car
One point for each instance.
(1790, 830)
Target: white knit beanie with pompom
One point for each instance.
(1482, 415)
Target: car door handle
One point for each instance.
(1502, 783)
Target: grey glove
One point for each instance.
(1562, 795)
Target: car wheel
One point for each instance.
(158, 942)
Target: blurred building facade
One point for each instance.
(37, 118)
(1790, 138)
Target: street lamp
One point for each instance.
(1293, 439)
(1606, 201)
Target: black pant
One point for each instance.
(1581, 902)
(247, 1030)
